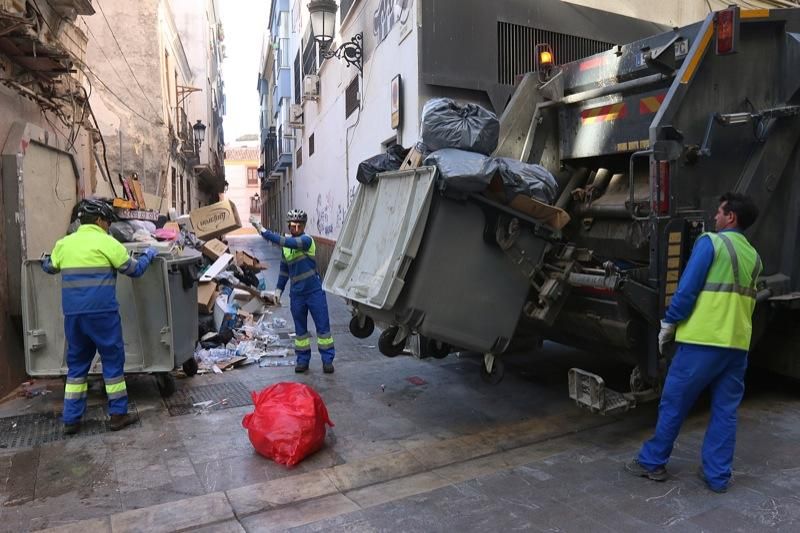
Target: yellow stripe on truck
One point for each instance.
(694, 62)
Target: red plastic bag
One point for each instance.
(288, 423)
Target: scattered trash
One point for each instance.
(279, 322)
(267, 362)
(31, 389)
(203, 404)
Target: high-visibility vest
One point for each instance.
(302, 268)
(89, 260)
(723, 313)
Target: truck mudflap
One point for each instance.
(589, 390)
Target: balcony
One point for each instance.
(283, 147)
(185, 133)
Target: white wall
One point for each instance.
(325, 182)
(671, 12)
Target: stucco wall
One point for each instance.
(238, 190)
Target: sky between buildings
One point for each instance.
(244, 23)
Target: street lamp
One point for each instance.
(261, 172)
(323, 26)
(199, 134)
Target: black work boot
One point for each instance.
(301, 369)
(72, 429)
(121, 421)
(636, 469)
(327, 368)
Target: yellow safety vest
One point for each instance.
(723, 313)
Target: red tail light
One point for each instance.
(661, 194)
(727, 26)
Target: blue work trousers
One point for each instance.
(88, 334)
(317, 305)
(695, 368)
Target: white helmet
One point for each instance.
(297, 215)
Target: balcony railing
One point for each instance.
(185, 132)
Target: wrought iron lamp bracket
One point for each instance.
(351, 52)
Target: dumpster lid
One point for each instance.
(380, 238)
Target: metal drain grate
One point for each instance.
(35, 429)
(182, 402)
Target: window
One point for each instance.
(351, 101)
(255, 204)
(309, 53)
(344, 7)
(252, 177)
(174, 188)
(311, 145)
(297, 80)
(299, 157)
(189, 195)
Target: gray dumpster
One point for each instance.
(158, 312)
(421, 262)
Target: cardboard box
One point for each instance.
(245, 260)
(206, 296)
(215, 220)
(555, 217)
(214, 249)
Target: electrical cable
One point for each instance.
(105, 149)
(125, 58)
(110, 64)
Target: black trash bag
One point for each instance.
(448, 124)
(122, 231)
(527, 179)
(462, 171)
(386, 162)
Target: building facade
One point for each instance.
(244, 186)
(328, 116)
(146, 105)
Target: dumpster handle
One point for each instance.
(631, 206)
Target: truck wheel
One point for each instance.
(190, 367)
(362, 332)
(386, 343)
(166, 384)
(438, 349)
(496, 375)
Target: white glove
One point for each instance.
(666, 335)
(256, 222)
(277, 297)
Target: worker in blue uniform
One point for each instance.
(88, 261)
(710, 318)
(299, 265)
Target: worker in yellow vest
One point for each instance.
(89, 261)
(710, 317)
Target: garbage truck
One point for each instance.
(643, 139)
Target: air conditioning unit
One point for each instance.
(296, 116)
(311, 87)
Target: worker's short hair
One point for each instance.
(741, 204)
(89, 219)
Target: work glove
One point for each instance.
(151, 253)
(666, 335)
(276, 297)
(256, 222)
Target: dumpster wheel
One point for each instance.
(493, 369)
(190, 367)
(386, 343)
(166, 383)
(437, 349)
(361, 326)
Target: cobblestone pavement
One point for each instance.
(419, 445)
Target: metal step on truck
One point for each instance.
(643, 140)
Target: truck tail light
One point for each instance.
(727, 28)
(661, 194)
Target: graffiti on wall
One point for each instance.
(325, 213)
(388, 13)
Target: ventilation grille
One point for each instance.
(517, 45)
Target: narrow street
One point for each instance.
(418, 445)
